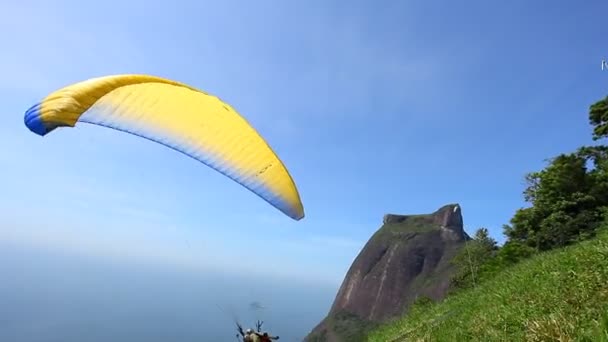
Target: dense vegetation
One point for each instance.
(561, 295)
(512, 292)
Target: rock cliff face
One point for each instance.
(408, 257)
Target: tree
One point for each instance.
(487, 243)
(598, 118)
(568, 203)
(564, 203)
(512, 252)
(568, 196)
(469, 261)
(597, 159)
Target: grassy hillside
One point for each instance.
(561, 295)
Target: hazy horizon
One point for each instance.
(49, 295)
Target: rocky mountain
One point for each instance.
(408, 257)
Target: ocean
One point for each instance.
(47, 296)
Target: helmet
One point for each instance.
(248, 331)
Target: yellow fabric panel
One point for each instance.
(181, 117)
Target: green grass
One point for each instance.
(560, 295)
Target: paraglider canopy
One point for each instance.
(180, 117)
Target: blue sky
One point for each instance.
(399, 106)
